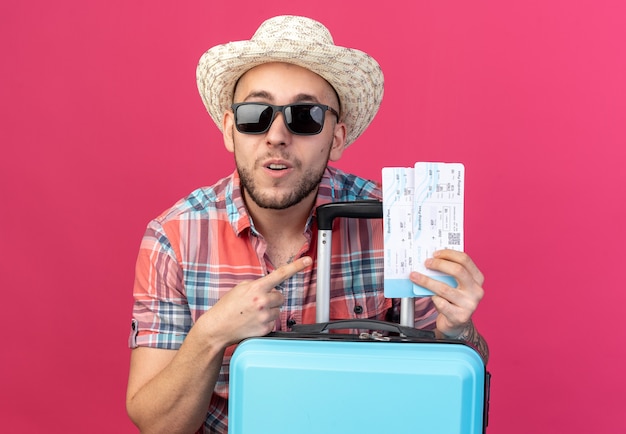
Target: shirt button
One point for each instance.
(358, 309)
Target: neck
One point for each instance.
(283, 230)
(275, 223)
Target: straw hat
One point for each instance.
(355, 76)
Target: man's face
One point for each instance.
(279, 169)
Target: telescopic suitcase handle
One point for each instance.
(360, 209)
(366, 324)
(326, 213)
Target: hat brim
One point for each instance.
(355, 76)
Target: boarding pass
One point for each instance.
(422, 212)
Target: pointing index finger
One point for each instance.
(285, 272)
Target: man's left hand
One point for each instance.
(455, 305)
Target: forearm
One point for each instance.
(176, 399)
(470, 335)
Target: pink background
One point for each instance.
(101, 129)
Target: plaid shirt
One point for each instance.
(206, 244)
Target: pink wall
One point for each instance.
(101, 129)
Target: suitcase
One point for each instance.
(311, 381)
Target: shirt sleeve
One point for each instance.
(161, 314)
(425, 313)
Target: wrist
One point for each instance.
(464, 334)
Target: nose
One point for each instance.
(278, 134)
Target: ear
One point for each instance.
(339, 141)
(228, 124)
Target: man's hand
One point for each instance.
(455, 305)
(252, 307)
(169, 391)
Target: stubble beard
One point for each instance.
(305, 185)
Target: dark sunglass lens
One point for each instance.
(253, 118)
(305, 119)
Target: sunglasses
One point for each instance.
(300, 119)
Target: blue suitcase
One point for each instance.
(310, 381)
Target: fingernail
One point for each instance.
(307, 260)
(428, 262)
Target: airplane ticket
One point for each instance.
(422, 212)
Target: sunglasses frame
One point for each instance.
(281, 109)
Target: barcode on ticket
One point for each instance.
(454, 238)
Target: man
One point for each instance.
(237, 259)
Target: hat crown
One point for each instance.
(293, 28)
